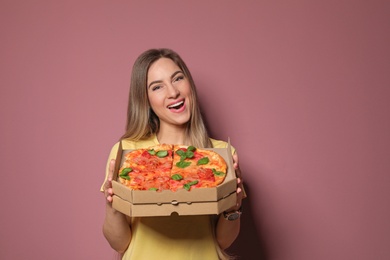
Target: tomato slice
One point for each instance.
(146, 154)
(206, 174)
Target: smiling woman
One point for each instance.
(163, 109)
(169, 94)
(142, 121)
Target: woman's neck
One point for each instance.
(171, 135)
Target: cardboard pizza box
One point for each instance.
(200, 201)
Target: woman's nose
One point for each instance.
(173, 91)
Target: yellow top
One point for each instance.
(174, 237)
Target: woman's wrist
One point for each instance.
(232, 214)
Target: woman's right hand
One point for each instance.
(108, 192)
(116, 227)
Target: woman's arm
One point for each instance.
(116, 227)
(228, 230)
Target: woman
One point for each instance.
(163, 108)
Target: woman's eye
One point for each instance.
(156, 87)
(179, 78)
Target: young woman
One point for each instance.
(163, 108)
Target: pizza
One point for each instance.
(172, 167)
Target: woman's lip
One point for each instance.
(176, 102)
(178, 110)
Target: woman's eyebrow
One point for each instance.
(159, 81)
(177, 72)
(154, 82)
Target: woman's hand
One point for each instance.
(108, 192)
(239, 184)
(116, 227)
(227, 231)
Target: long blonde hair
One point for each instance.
(142, 122)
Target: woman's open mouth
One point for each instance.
(177, 105)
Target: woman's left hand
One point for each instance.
(239, 184)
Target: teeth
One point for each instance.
(176, 104)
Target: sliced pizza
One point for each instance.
(172, 167)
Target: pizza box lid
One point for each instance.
(154, 203)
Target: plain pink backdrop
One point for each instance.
(300, 87)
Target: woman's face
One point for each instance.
(169, 93)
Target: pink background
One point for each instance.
(300, 87)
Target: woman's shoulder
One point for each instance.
(129, 144)
(218, 143)
(138, 144)
(221, 144)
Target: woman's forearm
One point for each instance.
(116, 229)
(227, 231)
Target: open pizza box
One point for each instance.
(201, 201)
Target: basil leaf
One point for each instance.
(126, 177)
(125, 171)
(183, 164)
(218, 173)
(189, 154)
(191, 148)
(162, 153)
(192, 183)
(153, 189)
(152, 152)
(180, 152)
(176, 177)
(188, 185)
(202, 161)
